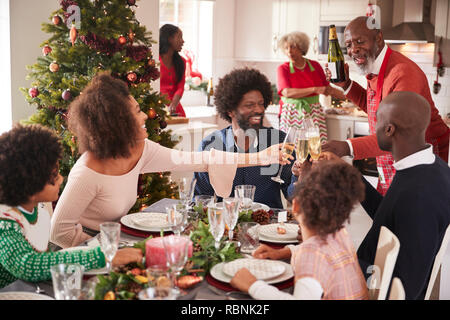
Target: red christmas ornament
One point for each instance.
(151, 113)
(122, 40)
(73, 35)
(56, 20)
(54, 67)
(151, 63)
(46, 50)
(33, 92)
(131, 2)
(132, 77)
(66, 95)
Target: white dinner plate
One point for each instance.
(262, 269)
(258, 206)
(270, 231)
(262, 238)
(23, 295)
(89, 272)
(147, 221)
(218, 274)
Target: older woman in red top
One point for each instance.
(173, 66)
(300, 81)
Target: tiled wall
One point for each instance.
(422, 54)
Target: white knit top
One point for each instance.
(90, 198)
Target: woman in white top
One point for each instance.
(111, 134)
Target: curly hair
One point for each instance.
(101, 119)
(327, 195)
(297, 38)
(29, 158)
(232, 87)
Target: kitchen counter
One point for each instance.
(346, 117)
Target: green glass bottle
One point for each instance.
(335, 57)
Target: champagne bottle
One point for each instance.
(209, 92)
(335, 57)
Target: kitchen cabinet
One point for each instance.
(260, 24)
(340, 127)
(333, 11)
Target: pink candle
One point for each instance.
(155, 254)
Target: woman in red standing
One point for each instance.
(300, 81)
(173, 66)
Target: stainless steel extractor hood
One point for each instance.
(411, 23)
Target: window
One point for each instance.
(195, 19)
(5, 66)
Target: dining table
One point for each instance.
(207, 289)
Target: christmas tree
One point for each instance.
(87, 37)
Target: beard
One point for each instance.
(244, 122)
(367, 68)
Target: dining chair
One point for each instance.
(387, 251)
(397, 290)
(437, 263)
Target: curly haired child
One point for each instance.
(325, 263)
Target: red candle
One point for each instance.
(155, 254)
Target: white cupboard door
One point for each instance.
(303, 15)
(342, 10)
(339, 129)
(257, 29)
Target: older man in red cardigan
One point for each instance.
(386, 71)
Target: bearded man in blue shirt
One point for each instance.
(241, 97)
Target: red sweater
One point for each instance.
(402, 74)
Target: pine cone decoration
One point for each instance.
(261, 216)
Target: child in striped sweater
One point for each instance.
(29, 176)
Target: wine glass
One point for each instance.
(109, 241)
(246, 194)
(287, 148)
(216, 222)
(301, 144)
(314, 145)
(176, 249)
(177, 217)
(231, 214)
(186, 190)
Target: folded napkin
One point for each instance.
(227, 287)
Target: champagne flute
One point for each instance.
(216, 222)
(301, 144)
(287, 148)
(231, 214)
(176, 249)
(109, 241)
(314, 145)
